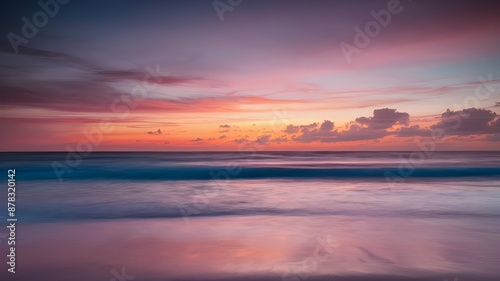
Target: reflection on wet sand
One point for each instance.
(260, 247)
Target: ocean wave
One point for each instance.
(187, 211)
(233, 173)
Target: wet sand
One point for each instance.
(257, 248)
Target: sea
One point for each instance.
(253, 216)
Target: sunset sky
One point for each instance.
(182, 76)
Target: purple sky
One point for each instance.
(289, 75)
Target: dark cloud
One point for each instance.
(363, 128)
(225, 126)
(45, 54)
(413, 131)
(223, 137)
(310, 133)
(197, 140)
(384, 118)
(291, 129)
(468, 122)
(357, 133)
(326, 126)
(263, 139)
(281, 139)
(157, 132)
(465, 122)
(88, 87)
(241, 140)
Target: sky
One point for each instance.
(249, 75)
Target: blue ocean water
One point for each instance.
(209, 165)
(155, 185)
